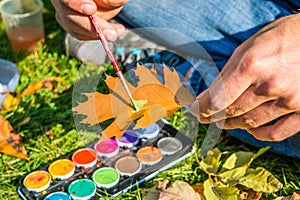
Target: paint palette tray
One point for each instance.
(110, 167)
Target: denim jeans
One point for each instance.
(219, 27)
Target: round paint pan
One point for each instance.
(149, 155)
(82, 189)
(169, 145)
(58, 196)
(128, 165)
(129, 139)
(61, 169)
(149, 132)
(85, 157)
(108, 148)
(37, 181)
(106, 177)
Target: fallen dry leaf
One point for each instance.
(10, 142)
(199, 188)
(162, 185)
(249, 194)
(46, 82)
(234, 179)
(154, 100)
(154, 192)
(177, 190)
(294, 196)
(12, 99)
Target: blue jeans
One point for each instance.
(219, 27)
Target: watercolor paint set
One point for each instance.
(109, 167)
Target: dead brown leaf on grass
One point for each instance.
(294, 196)
(46, 82)
(10, 142)
(12, 99)
(177, 190)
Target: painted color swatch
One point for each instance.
(128, 165)
(149, 155)
(85, 157)
(82, 189)
(62, 169)
(169, 145)
(106, 177)
(129, 139)
(58, 196)
(149, 132)
(108, 148)
(37, 181)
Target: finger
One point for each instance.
(257, 117)
(80, 26)
(77, 25)
(111, 4)
(249, 100)
(225, 89)
(111, 31)
(282, 129)
(223, 92)
(233, 80)
(86, 7)
(108, 14)
(246, 102)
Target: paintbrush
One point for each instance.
(112, 59)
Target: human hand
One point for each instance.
(72, 15)
(259, 83)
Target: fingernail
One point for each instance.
(88, 9)
(121, 31)
(110, 34)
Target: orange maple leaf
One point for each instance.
(154, 100)
(10, 142)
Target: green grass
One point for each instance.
(50, 112)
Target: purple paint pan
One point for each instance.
(129, 139)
